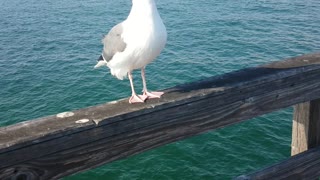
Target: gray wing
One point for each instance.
(113, 43)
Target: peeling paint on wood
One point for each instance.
(65, 114)
(82, 121)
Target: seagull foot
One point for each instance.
(137, 99)
(151, 95)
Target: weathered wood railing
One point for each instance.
(56, 146)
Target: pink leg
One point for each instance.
(134, 98)
(146, 93)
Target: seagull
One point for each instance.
(134, 43)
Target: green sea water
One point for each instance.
(48, 50)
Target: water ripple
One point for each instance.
(48, 50)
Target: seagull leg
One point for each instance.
(145, 91)
(134, 97)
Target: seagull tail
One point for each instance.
(100, 63)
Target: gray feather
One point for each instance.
(113, 43)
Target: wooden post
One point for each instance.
(306, 126)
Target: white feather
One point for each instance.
(99, 64)
(145, 36)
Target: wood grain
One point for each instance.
(306, 127)
(53, 147)
(304, 166)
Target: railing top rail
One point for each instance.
(117, 129)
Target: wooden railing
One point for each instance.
(59, 145)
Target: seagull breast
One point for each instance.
(144, 36)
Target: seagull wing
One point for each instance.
(113, 42)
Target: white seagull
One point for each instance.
(134, 43)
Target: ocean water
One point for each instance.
(48, 50)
